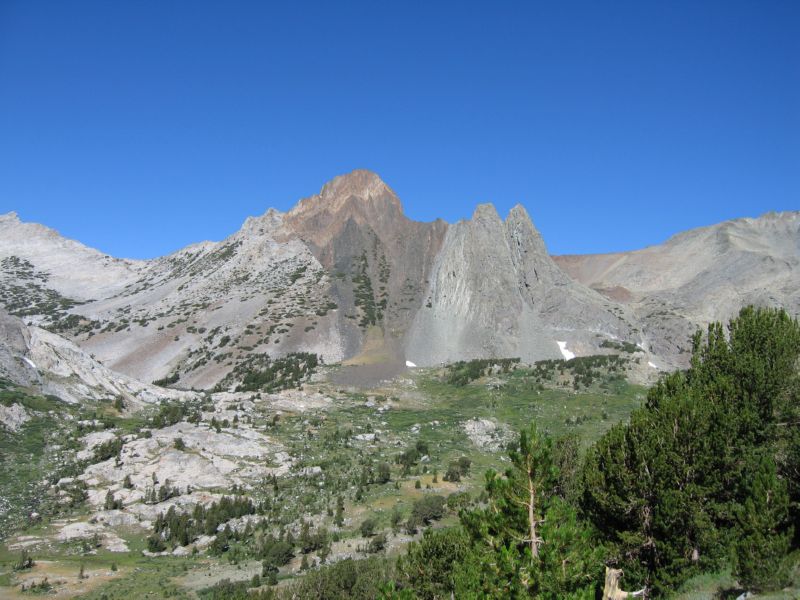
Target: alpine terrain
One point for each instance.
(347, 276)
(341, 402)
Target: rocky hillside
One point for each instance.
(699, 276)
(191, 315)
(495, 291)
(347, 276)
(39, 360)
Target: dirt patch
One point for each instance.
(617, 292)
(367, 376)
(64, 579)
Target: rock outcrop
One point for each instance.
(495, 291)
(379, 260)
(50, 364)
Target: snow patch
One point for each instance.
(410, 364)
(30, 362)
(651, 364)
(564, 352)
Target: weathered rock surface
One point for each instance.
(13, 417)
(378, 258)
(33, 357)
(495, 291)
(699, 276)
(15, 364)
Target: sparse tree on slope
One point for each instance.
(528, 542)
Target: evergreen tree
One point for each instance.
(528, 542)
(384, 473)
(763, 540)
(427, 566)
(667, 490)
(304, 540)
(338, 518)
(269, 572)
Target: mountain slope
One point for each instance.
(45, 274)
(38, 359)
(700, 276)
(494, 291)
(378, 258)
(196, 313)
(346, 275)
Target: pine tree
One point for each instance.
(269, 572)
(338, 518)
(669, 490)
(305, 538)
(763, 534)
(527, 541)
(427, 566)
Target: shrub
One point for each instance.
(367, 527)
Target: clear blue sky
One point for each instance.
(138, 127)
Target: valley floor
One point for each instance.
(84, 488)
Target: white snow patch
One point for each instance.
(651, 364)
(565, 353)
(30, 362)
(410, 364)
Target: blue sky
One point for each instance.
(139, 127)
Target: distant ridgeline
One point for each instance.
(345, 275)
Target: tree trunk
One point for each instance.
(611, 591)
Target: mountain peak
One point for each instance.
(360, 190)
(518, 212)
(486, 211)
(11, 217)
(361, 183)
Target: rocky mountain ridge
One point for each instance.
(700, 276)
(346, 275)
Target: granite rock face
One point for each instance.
(495, 291)
(15, 363)
(379, 260)
(50, 364)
